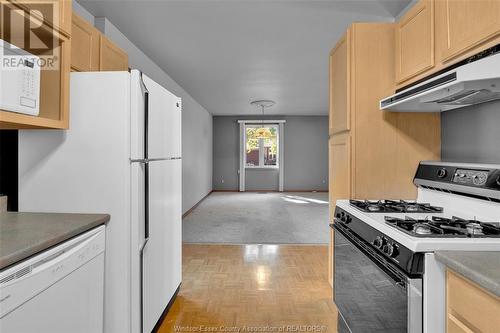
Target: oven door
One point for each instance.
(371, 294)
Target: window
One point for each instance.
(261, 146)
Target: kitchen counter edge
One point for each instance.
(28, 248)
(482, 268)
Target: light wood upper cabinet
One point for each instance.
(339, 116)
(415, 41)
(470, 308)
(56, 13)
(54, 73)
(112, 58)
(66, 11)
(85, 45)
(92, 51)
(467, 24)
(435, 34)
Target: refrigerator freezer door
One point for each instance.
(162, 254)
(164, 121)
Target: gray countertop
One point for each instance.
(482, 268)
(25, 234)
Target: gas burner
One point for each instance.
(474, 228)
(373, 208)
(422, 229)
(411, 208)
(394, 206)
(443, 227)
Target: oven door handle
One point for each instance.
(401, 285)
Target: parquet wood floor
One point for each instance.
(259, 288)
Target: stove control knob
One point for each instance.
(378, 242)
(441, 173)
(498, 181)
(392, 250)
(348, 219)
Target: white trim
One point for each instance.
(260, 121)
(242, 157)
(261, 145)
(261, 167)
(281, 155)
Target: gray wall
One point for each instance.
(196, 121)
(306, 155)
(471, 134)
(262, 180)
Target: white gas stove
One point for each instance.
(386, 277)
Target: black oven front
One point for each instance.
(371, 293)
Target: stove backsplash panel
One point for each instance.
(471, 134)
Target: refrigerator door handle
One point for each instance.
(145, 92)
(148, 160)
(145, 160)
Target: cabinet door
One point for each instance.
(65, 15)
(339, 169)
(467, 24)
(339, 119)
(56, 13)
(84, 46)
(454, 325)
(415, 41)
(112, 58)
(469, 306)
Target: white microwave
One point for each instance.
(19, 80)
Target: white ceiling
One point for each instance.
(228, 53)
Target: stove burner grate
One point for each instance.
(444, 227)
(394, 206)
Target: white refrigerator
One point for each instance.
(122, 156)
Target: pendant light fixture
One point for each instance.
(263, 132)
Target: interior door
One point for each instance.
(164, 121)
(162, 254)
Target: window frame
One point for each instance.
(261, 147)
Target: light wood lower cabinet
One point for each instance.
(378, 156)
(339, 156)
(112, 58)
(470, 308)
(340, 167)
(85, 44)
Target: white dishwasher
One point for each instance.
(57, 291)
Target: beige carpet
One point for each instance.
(259, 218)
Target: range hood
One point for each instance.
(471, 83)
